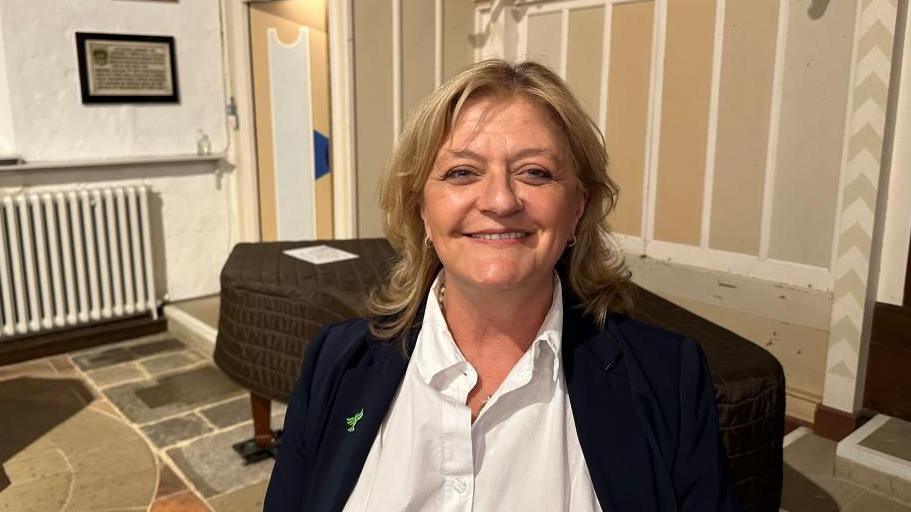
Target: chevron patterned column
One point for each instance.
(874, 38)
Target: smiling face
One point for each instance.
(502, 200)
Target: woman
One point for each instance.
(487, 379)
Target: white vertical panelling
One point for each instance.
(396, 69)
(846, 146)
(653, 136)
(712, 135)
(774, 129)
(292, 129)
(605, 69)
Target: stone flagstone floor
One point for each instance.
(143, 425)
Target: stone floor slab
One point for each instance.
(168, 481)
(214, 467)
(174, 430)
(124, 353)
(892, 438)
(118, 476)
(244, 499)
(116, 374)
(39, 466)
(170, 362)
(61, 363)
(91, 430)
(45, 495)
(40, 367)
(230, 413)
(872, 502)
(809, 477)
(150, 400)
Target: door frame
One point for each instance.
(342, 116)
(242, 154)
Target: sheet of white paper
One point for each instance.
(319, 254)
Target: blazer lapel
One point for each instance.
(617, 443)
(363, 397)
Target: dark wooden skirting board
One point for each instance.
(31, 347)
(888, 385)
(836, 425)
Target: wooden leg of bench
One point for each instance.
(262, 416)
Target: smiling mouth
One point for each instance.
(515, 235)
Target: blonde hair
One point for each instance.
(593, 266)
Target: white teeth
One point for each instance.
(499, 236)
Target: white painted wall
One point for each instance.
(7, 140)
(897, 232)
(193, 213)
(49, 121)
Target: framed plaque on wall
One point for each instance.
(126, 68)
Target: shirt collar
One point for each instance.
(436, 352)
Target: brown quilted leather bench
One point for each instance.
(272, 304)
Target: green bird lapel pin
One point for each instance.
(352, 421)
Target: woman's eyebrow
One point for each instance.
(522, 153)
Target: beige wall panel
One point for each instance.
(684, 120)
(418, 52)
(627, 109)
(800, 350)
(744, 102)
(814, 102)
(584, 56)
(458, 31)
(373, 107)
(544, 39)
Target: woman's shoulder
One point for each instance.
(656, 348)
(342, 337)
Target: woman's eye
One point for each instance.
(458, 173)
(537, 174)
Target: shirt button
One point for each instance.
(459, 485)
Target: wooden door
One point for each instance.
(290, 62)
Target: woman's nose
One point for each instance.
(498, 195)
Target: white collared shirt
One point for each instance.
(521, 453)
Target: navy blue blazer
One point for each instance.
(642, 399)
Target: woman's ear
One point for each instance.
(581, 202)
(423, 212)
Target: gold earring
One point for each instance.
(427, 241)
(572, 242)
